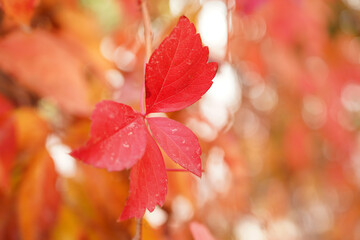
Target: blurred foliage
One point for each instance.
(279, 129)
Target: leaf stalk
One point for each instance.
(138, 234)
(148, 45)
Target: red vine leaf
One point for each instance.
(179, 143)
(178, 73)
(148, 183)
(117, 137)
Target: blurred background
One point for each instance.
(278, 128)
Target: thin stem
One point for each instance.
(147, 28)
(142, 99)
(138, 234)
(148, 45)
(148, 48)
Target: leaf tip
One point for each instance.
(128, 213)
(214, 66)
(123, 217)
(184, 18)
(197, 171)
(74, 153)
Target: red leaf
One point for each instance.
(7, 149)
(200, 232)
(179, 143)
(178, 74)
(7, 141)
(148, 183)
(117, 137)
(5, 106)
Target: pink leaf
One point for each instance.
(200, 232)
(179, 143)
(148, 183)
(118, 137)
(178, 74)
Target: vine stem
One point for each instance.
(147, 28)
(138, 234)
(148, 48)
(148, 44)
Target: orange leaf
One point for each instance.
(38, 199)
(26, 120)
(21, 10)
(40, 63)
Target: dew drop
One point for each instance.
(198, 151)
(130, 133)
(183, 141)
(173, 130)
(125, 145)
(112, 156)
(111, 115)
